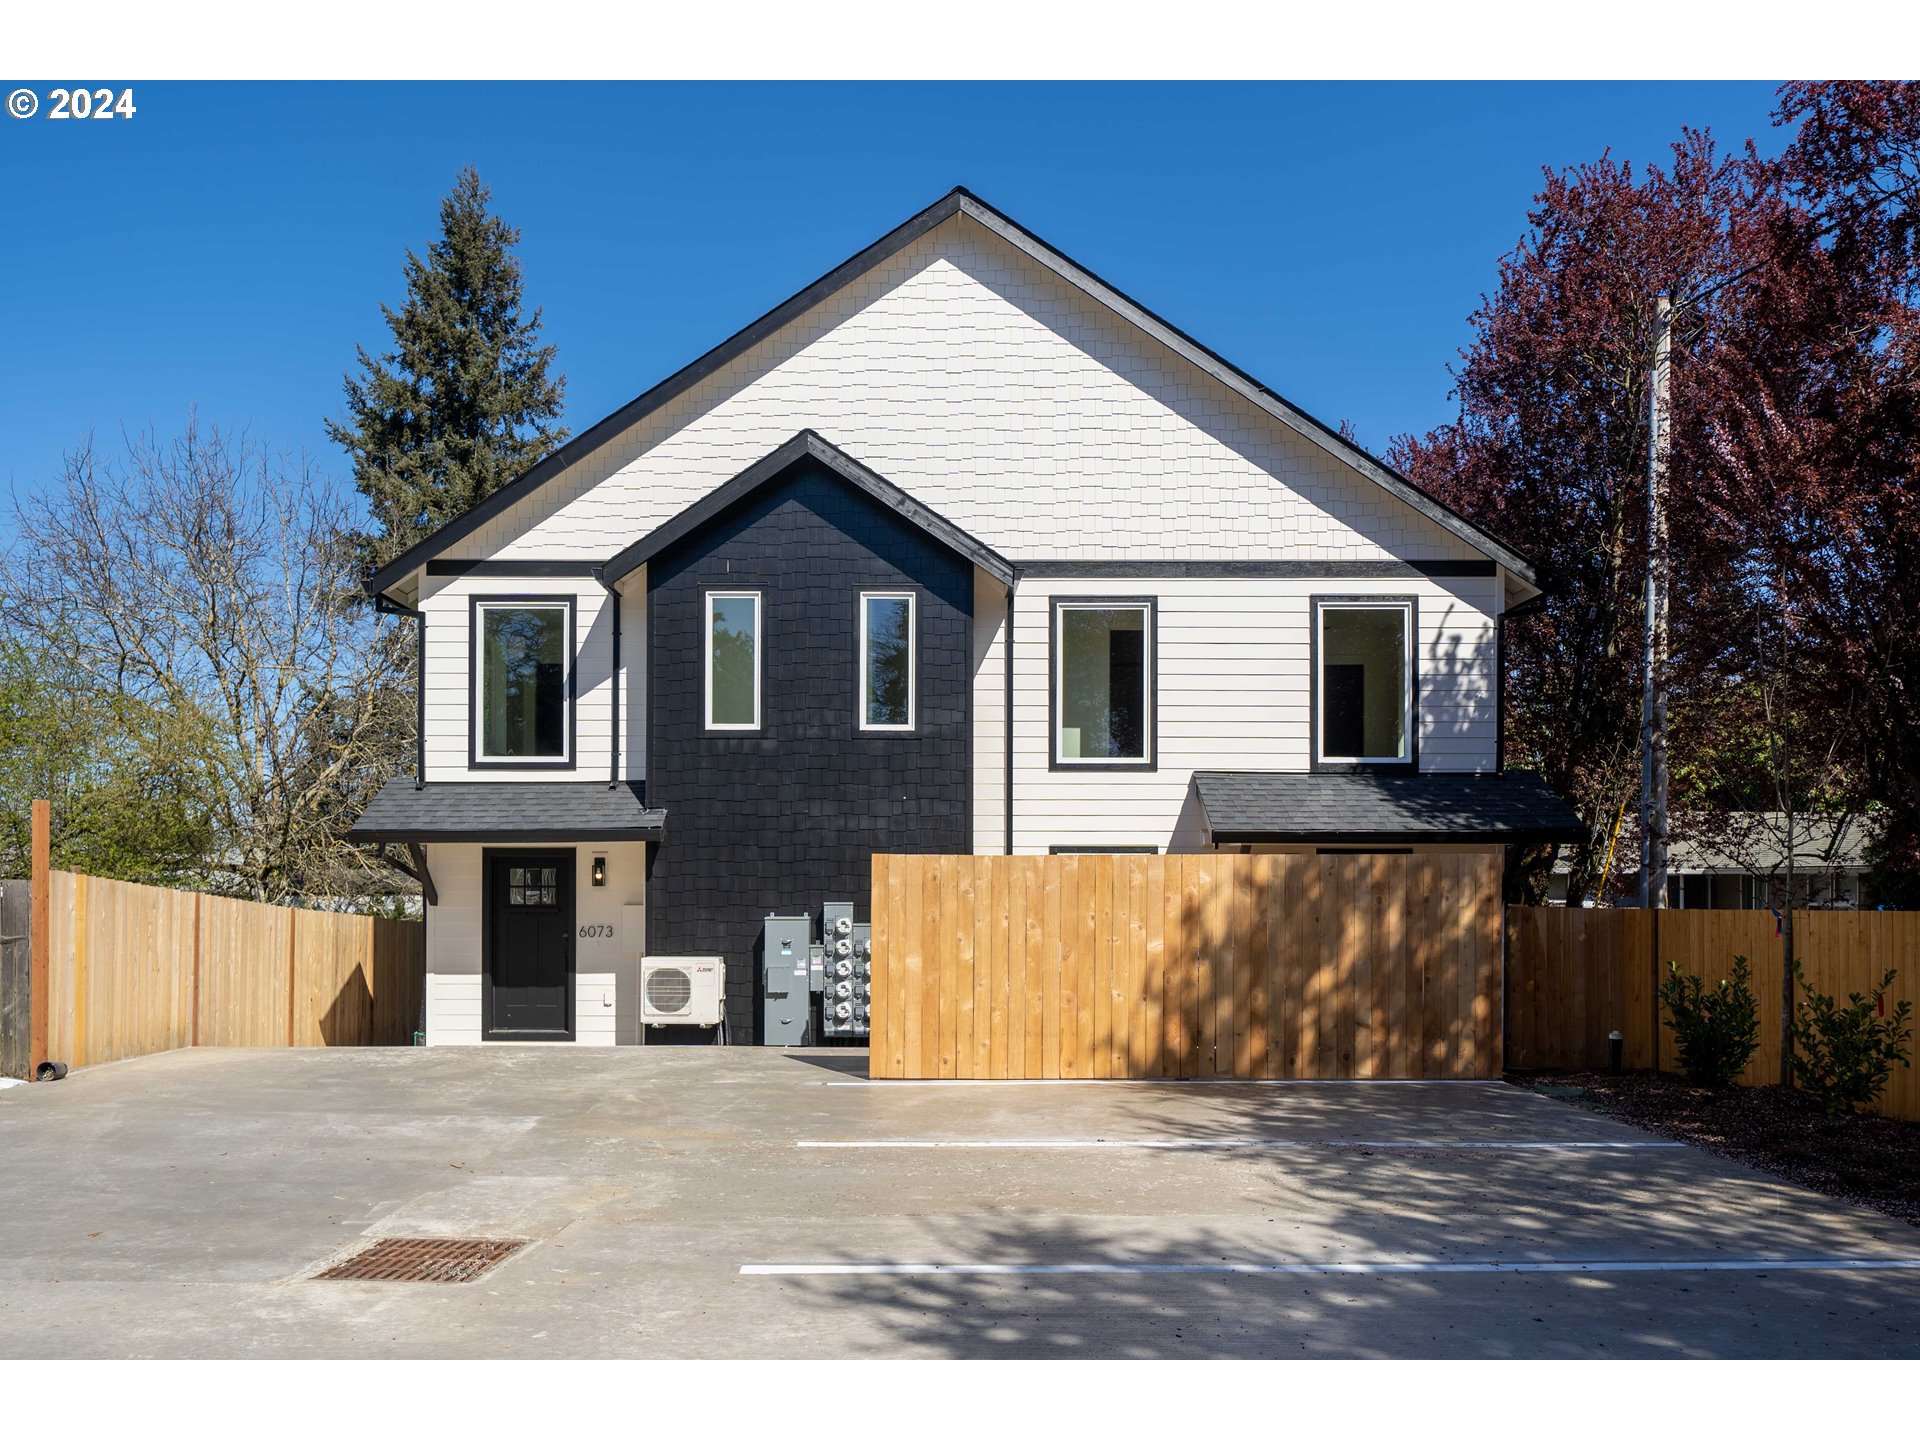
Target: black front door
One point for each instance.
(528, 993)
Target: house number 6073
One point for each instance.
(596, 932)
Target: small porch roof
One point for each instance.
(501, 812)
(1256, 806)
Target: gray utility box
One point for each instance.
(846, 990)
(785, 983)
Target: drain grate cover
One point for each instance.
(439, 1262)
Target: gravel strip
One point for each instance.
(1863, 1158)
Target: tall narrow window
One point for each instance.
(521, 681)
(886, 661)
(1365, 682)
(733, 660)
(1103, 678)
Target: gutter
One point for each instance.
(1009, 720)
(385, 605)
(415, 867)
(1523, 609)
(613, 743)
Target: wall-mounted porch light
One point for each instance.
(599, 870)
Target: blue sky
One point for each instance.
(231, 244)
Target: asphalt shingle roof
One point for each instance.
(509, 810)
(1256, 805)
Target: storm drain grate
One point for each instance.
(439, 1262)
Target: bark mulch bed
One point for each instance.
(1861, 1158)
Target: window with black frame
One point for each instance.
(1365, 683)
(1104, 683)
(886, 660)
(522, 682)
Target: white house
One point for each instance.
(959, 549)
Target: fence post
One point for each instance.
(193, 1037)
(1653, 990)
(80, 1054)
(293, 920)
(41, 952)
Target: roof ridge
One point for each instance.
(959, 200)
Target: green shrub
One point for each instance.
(1844, 1054)
(1717, 1029)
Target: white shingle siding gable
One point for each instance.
(1233, 693)
(995, 392)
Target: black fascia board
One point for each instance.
(807, 444)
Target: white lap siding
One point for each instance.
(448, 604)
(1233, 692)
(606, 978)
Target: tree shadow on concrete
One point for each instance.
(1222, 1315)
(1325, 1204)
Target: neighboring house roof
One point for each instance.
(1248, 806)
(803, 446)
(957, 202)
(508, 811)
(1753, 842)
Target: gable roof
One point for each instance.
(958, 201)
(807, 444)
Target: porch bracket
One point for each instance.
(418, 853)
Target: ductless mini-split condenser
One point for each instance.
(682, 989)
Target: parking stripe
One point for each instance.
(1354, 1267)
(885, 1084)
(1246, 1143)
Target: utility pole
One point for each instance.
(1653, 705)
(1653, 701)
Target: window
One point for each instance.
(886, 660)
(537, 887)
(521, 681)
(1365, 683)
(733, 660)
(1103, 682)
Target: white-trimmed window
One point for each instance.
(887, 660)
(733, 659)
(523, 708)
(1103, 662)
(1364, 689)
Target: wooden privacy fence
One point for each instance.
(1186, 966)
(133, 969)
(1573, 975)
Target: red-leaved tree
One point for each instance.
(1550, 451)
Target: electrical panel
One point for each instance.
(846, 996)
(838, 967)
(785, 985)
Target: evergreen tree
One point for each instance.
(464, 402)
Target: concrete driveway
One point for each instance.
(743, 1202)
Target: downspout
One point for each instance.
(386, 605)
(1500, 694)
(613, 745)
(1527, 607)
(1009, 755)
(417, 870)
